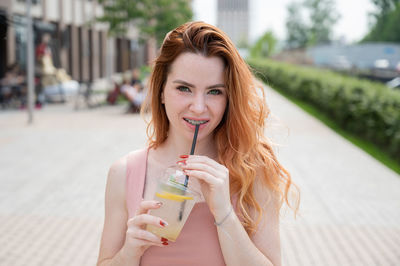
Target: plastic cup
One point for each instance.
(178, 202)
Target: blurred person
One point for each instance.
(53, 84)
(133, 90)
(200, 78)
(112, 95)
(43, 49)
(135, 80)
(44, 59)
(13, 86)
(45, 71)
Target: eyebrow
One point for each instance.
(191, 85)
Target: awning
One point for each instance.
(37, 24)
(43, 26)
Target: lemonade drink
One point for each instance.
(178, 202)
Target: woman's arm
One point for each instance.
(124, 240)
(237, 247)
(115, 219)
(262, 248)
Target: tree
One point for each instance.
(386, 25)
(264, 46)
(297, 31)
(153, 18)
(384, 6)
(322, 17)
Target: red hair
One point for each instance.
(242, 146)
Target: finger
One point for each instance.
(219, 172)
(144, 235)
(144, 219)
(205, 160)
(146, 243)
(200, 167)
(147, 205)
(206, 177)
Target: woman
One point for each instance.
(199, 77)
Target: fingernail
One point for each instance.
(163, 224)
(182, 162)
(184, 156)
(159, 203)
(165, 243)
(163, 239)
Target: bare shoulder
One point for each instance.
(117, 172)
(118, 166)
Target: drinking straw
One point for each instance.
(196, 131)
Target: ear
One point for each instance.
(162, 98)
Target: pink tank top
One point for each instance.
(197, 243)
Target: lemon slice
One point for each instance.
(170, 196)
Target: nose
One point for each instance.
(198, 104)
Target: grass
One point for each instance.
(363, 144)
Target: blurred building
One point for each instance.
(233, 19)
(379, 60)
(78, 45)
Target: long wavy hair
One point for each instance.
(242, 146)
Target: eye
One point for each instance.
(183, 89)
(215, 92)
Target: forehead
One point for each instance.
(196, 68)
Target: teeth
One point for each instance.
(195, 122)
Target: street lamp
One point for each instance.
(30, 61)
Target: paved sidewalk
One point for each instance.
(53, 178)
(350, 203)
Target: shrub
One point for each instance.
(368, 109)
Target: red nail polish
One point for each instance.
(184, 156)
(163, 239)
(183, 161)
(162, 223)
(165, 243)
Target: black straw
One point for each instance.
(196, 131)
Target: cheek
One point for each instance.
(220, 109)
(168, 111)
(223, 107)
(172, 106)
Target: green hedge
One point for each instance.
(369, 109)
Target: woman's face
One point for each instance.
(194, 94)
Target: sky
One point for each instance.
(271, 15)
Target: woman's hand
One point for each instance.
(137, 238)
(214, 181)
